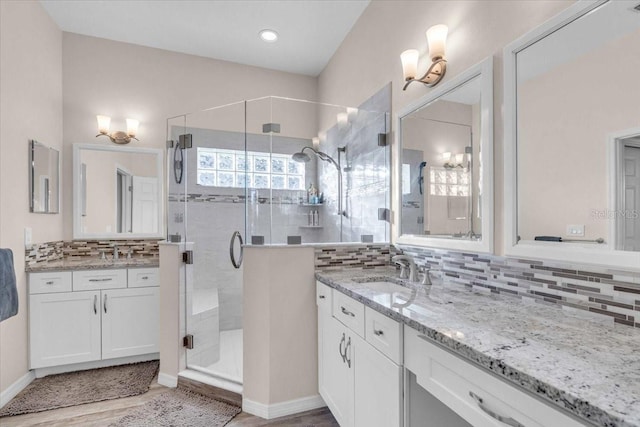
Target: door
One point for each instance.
(130, 321)
(631, 212)
(144, 204)
(337, 374)
(207, 196)
(64, 328)
(378, 388)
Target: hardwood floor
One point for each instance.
(102, 414)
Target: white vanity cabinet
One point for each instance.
(479, 397)
(361, 385)
(90, 315)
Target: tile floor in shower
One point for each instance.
(229, 366)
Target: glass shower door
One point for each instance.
(207, 208)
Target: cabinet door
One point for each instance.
(337, 376)
(378, 388)
(64, 328)
(130, 322)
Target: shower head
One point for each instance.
(301, 157)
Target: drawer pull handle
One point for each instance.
(347, 359)
(378, 332)
(50, 282)
(105, 303)
(144, 277)
(506, 420)
(106, 279)
(95, 304)
(342, 354)
(321, 296)
(347, 312)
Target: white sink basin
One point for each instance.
(387, 287)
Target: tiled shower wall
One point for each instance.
(607, 293)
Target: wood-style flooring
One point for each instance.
(102, 414)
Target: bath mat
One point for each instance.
(179, 407)
(77, 388)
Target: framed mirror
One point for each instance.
(44, 178)
(572, 133)
(445, 142)
(117, 192)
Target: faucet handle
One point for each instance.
(426, 279)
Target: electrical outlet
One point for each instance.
(28, 237)
(575, 230)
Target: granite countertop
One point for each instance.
(588, 366)
(93, 264)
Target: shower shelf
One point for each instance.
(310, 226)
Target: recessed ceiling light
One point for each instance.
(269, 36)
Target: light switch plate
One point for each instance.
(28, 237)
(575, 230)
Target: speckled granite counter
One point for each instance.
(93, 263)
(586, 366)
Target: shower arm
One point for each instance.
(327, 158)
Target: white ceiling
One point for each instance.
(310, 30)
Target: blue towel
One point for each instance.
(8, 290)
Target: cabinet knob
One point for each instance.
(321, 296)
(50, 282)
(378, 332)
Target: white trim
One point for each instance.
(52, 370)
(167, 380)
(77, 190)
(282, 409)
(615, 156)
(483, 70)
(211, 380)
(16, 387)
(580, 253)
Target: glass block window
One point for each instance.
(237, 168)
(449, 182)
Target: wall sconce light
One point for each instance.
(452, 161)
(118, 137)
(436, 38)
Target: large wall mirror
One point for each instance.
(573, 137)
(44, 178)
(117, 192)
(445, 164)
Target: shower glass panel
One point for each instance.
(272, 171)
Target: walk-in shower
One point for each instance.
(262, 169)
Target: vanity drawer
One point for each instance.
(323, 296)
(349, 311)
(91, 280)
(476, 395)
(143, 277)
(49, 282)
(383, 333)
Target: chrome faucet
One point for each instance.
(406, 262)
(116, 255)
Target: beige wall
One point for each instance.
(563, 141)
(123, 80)
(370, 55)
(31, 108)
(280, 324)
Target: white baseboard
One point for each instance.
(52, 370)
(167, 380)
(16, 388)
(281, 409)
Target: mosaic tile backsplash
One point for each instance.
(75, 249)
(602, 292)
